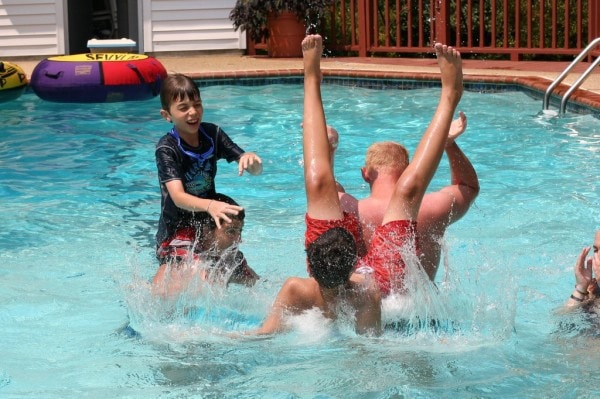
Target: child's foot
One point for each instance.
(451, 69)
(312, 48)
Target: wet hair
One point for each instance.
(387, 155)
(203, 220)
(227, 199)
(177, 87)
(332, 257)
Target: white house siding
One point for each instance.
(189, 25)
(31, 27)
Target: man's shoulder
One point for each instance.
(300, 283)
(301, 293)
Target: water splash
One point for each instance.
(415, 304)
(201, 304)
(459, 311)
(312, 22)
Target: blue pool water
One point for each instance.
(80, 204)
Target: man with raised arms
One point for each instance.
(384, 164)
(331, 235)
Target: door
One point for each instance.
(100, 19)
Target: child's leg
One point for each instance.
(413, 182)
(321, 192)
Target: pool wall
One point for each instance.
(580, 102)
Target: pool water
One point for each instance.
(80, 205)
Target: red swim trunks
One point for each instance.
(178, 247)
(183, 247)
(316, 227)
(385, 255)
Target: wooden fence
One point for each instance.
(509, 29)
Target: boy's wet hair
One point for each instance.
(175, 87)
(205, 220)
(332, 257)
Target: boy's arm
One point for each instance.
(368, 318)
(170, 173)
(368, 306)
(216, 209)
(288, 300)
(185, 200)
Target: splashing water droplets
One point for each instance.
(312, 29)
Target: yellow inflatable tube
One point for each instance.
(13, 81)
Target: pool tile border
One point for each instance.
(581, 101)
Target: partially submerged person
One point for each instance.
(384, 164)
(209, 254)
(332, 234)
(186, 159)
(587, 271)
(579, 316)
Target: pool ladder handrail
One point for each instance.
(574, 86)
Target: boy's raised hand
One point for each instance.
(251, 162)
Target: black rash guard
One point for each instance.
(196, 167)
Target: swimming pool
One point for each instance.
(80, 204)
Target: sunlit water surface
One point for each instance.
(80, 204)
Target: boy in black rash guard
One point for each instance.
(186, 159)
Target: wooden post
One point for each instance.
(363, 37)
(442, 19)
(593, 27)
(594, 19)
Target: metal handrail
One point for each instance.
(563, 103)
(561, 77)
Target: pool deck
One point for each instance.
(535, 74)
